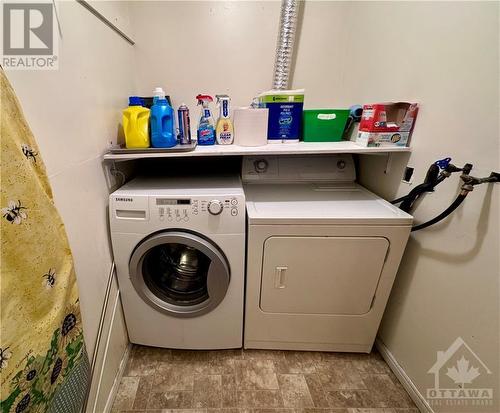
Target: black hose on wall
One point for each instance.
(456, 203)
(432, 179)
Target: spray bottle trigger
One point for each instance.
(204, 98)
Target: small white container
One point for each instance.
(250, 126)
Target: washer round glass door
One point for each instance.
(179, 273)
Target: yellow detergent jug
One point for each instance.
(135, 124)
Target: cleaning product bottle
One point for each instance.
(135, 124)
(224, 130)
(162, 122)
(206, 130)
(158, 93)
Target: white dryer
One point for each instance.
(179, 249)
(322, 255)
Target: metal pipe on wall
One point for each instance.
(286, 38)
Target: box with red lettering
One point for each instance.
(387, 124)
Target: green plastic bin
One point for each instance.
(323, 125)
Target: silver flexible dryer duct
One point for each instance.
(286, 38)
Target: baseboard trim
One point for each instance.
(406, 382)
(118, 378)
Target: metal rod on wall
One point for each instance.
(105, 20)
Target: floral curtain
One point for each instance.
(43, 363)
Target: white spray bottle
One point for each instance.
(224, 131)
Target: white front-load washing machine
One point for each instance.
(179, 249)
(322, 254)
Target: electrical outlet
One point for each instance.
(408, 175)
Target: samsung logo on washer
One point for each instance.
(124, 200)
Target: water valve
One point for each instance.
(443, 163)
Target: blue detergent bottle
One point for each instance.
(162, 124)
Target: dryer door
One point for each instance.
(321, 275)
(179, 273)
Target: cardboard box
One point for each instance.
(387, 124)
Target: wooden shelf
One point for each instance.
(301, 148)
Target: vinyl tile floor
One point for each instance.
(258, 381)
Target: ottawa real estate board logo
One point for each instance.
(462, 382)
(29, 36)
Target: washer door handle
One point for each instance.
(279, 277)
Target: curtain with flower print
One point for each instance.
(43, 363)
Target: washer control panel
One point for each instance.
(207, 206)
(176, 210)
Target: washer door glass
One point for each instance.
(179, 273)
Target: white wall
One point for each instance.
(74, 113)
(209, 47)
(442, 55)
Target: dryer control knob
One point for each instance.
(261, 165)
(215, 207)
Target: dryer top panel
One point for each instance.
(281, 169)
(320, 202)
(184, 186)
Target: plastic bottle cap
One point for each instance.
(134, 101)
(159, 92)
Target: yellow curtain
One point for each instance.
(41, 341)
